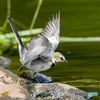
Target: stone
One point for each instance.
(11, 85)
(55, 91)
(4, 61)
(13, 92)
(9, 78)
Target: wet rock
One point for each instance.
(13, 92)
(54, 91)
(11, 84)
(4, 61)
(9, 78)
(40, 77)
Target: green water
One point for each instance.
(83, 70)
(79, 18)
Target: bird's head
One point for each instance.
(58, 57)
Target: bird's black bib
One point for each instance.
(53, 64)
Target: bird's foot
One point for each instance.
(35, 80)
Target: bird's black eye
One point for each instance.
(61, 58)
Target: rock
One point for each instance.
(40, 77)
(54, 91)
(13, 92)
(12, 85)
(4, 61)
(9, 78)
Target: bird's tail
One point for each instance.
(15, 33)
(22, 49)
(23, 66)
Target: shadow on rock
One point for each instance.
(40, 77)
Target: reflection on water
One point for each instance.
(83, 70)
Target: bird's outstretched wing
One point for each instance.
(52, 30)
(37, 45)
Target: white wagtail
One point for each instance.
(41, 55)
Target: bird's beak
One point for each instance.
(65, 61)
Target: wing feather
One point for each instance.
(37, 45)
(52, 30)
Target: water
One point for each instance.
(83, 70)
(79, 18)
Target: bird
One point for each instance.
(40, 54)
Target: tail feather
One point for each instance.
(15, 31)
(23, 66)
(22, 49)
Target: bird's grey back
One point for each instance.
(37, 45)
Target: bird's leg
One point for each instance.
(35, 79)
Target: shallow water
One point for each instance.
(83, 70)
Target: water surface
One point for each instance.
(83, 70)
